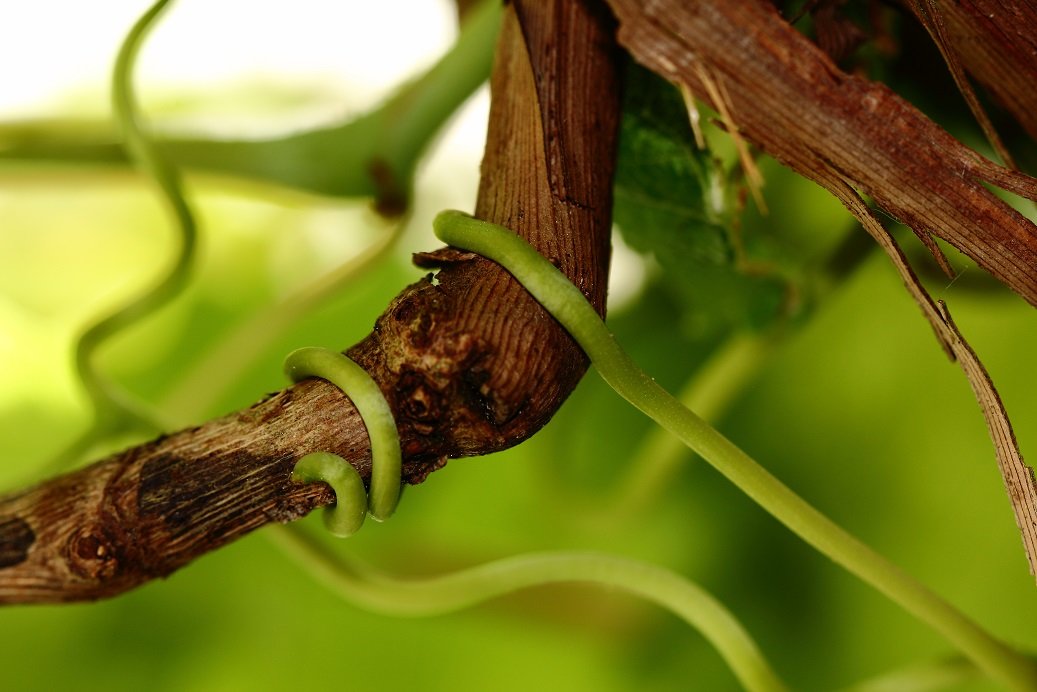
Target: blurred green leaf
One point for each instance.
(664, 182)
(674, 202)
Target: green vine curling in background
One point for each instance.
(115, 410)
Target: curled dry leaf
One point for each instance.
(1019, 479)
(855, 137)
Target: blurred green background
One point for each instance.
(854, 406)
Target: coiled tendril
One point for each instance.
(114, 409)
(352, 501)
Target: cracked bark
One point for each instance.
(469, 362)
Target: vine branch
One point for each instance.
(469, 363)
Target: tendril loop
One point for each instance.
(352, 502)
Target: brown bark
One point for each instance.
(476, 364)
(468, 361)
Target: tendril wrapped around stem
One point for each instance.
(352, 501)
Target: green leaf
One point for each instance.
(674, 203)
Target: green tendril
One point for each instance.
(346, 517)
(565, 302)
(710, 393)
(378, 592)
(115, 409)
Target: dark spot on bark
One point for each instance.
(218, 496)
(419, 402)
(92, 553)
(473, 380)
(163, 483)
(403, 311)
(16, 536)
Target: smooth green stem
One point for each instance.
(373, 590)
(948, 673)
(563, 300)
(416, 113)
(709, 392)
(365, 394)
(717, 383)
(373, 155)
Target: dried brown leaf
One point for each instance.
(1019, 479)
(931, 16)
